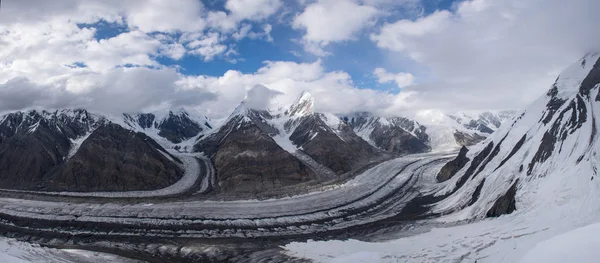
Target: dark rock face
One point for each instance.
(465, 139)
(477, 161)
(35, 146)
(513, 151)
(341, 150)
(506, 204)
(575, 114)
(247, 159)
(35, 142)
(175, 127)
(553, 105)
(146, 120)
(178, 127)
(476, 193)
(115, 159)
(393, 136)
(398, 141)
(591, 79)
(452, 167)
(26, 158)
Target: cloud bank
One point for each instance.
(476, 55)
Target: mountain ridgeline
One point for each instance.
(252, 150)
(549, 152)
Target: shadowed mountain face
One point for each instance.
(338, 148)
(27, 156)
(115, 159)
(38, 150)
(247, 159)
(175, 126)
(259, 150)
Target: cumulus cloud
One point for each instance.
(401, 79)
(492, 54)
(115, 91)
(260, 97)
(52, 55)
(481, 54)
(252, 9)
(328, 21)
(333, 91)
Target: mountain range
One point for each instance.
(252, 150)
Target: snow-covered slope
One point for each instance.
(448, 131)
(540, 169)
(555, 137)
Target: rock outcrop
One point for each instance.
(452, 167)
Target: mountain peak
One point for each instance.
(304, 105)
(570, 80)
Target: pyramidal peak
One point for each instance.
(303, 106)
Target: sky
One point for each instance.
(390, 57)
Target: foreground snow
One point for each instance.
(579, 245)
(12, 251)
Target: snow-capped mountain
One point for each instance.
(175, 126)
(448, 131)
(394, 134)
(484, 122)
(77, 150)
(427, 131)
(284, 146)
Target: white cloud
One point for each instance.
(166, 16)
(483, 54)
(115, 91)
(393, 36)
(260, 97)
(333, 91)
(252, 9)
(492, 54)
(401, 79)
(208, 46)
(328, 21)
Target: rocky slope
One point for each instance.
(75, 150)
(175, 126)
(395, 134)
(552, 143)
(247, 158)
(113, 158)
(255, 150)
(429, 130)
